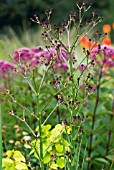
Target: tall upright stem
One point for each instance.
(37, 93)
(40, 132)
(73, 98)
(93, 120)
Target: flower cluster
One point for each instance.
(5, 67)
(87, 43)
(37, 55)
(107, 29)
(107, 55)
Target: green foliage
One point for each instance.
(14, 161)
(53, 139)
(54, 146)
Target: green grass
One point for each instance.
(11, 41)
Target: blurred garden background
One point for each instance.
(66, 83)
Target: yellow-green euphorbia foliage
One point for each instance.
(14, 161)
(54, 145)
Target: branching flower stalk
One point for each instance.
(54, 37)
(47, 29)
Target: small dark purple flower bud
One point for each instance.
(78, 79)
(65, 122)
(88, 53)
(99, 46)
(67, 153)
(87, 21)
(75, 117)
(104, 48)
(46, 12)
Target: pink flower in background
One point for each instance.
(38, 55)
(24, 54)
(5, 67)
(106, 49)
(106, 57)
(82, 67)
(37, 49)
(2, 88)
(63, 66)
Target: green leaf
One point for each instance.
(59, 147)
(46, 127)
(102, 160)
(53, 166)
(61, 162)
(9, 153)
(8, 164)
(57, 131)
(18, 156)
(47, 146)
(46, 158)
(110, 157)
(59, 153)
(21, 166)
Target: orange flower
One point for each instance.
(84, 42)
(90, 44)
(106, 28)
(106, 41)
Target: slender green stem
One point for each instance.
(73, 98)
(84, 158)
(51, 113)
(40, 132)
(38, 113)
(64, 152)
(79, 154)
